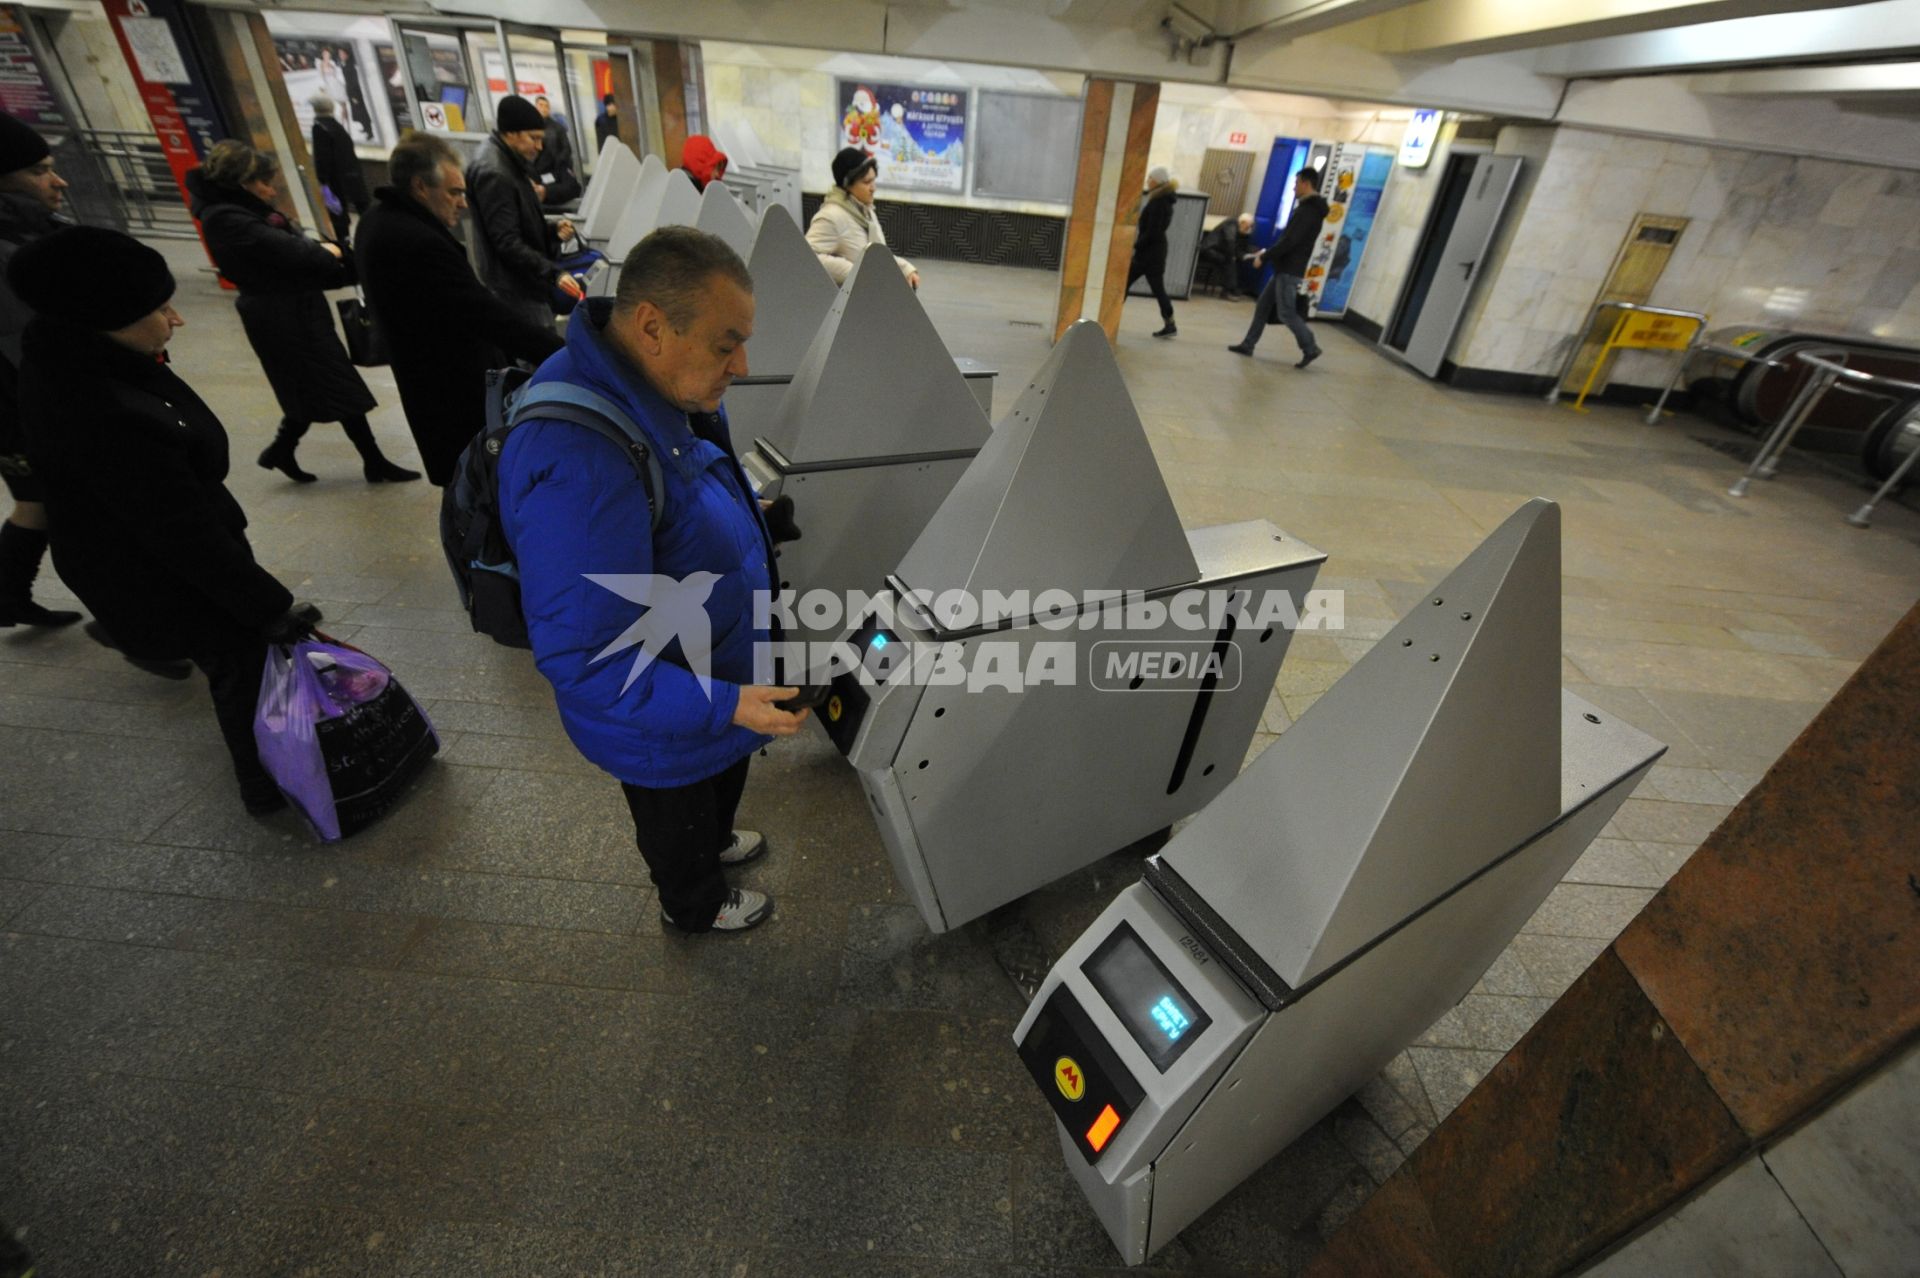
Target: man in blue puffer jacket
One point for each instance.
(648, 634)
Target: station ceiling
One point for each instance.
(1504, 56)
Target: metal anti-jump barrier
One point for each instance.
(1658, 332)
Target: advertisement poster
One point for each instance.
(167, 73)
(918, 135)
(332, 67)
(24, 92)
(1337, 183)
(536, 75)
(1355, 226)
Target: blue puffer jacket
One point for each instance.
(572, 504)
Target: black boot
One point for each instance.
(20, 551)
(279, 454)
(158, 667)
(375, 465)
(1168, 329)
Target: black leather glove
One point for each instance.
(780, 525)
(293, 625)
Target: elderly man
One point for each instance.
(1226, 250)
(515, 246)
(648, 633)
(444, 330)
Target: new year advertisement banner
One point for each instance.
(918, 135)
(1354, 227)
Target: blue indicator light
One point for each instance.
(879, 641)
(1172, 1021)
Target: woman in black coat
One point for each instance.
(280, 274)
(141, 524)
(1150, 243)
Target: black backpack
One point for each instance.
(470, 532)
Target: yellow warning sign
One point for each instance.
(1656, 332)
(1068, 1078)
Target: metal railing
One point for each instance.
(1829, 371)
(1586, 332)
(140, 182)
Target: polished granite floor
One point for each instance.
(459, 1044)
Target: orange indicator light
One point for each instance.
(1103, 1129)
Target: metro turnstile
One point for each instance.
(1134, 712)
(868, 439)
(1334, 901)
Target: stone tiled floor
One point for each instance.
(458, 1043)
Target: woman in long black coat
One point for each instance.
(133, 464)
(281, 274)
(1150, 244)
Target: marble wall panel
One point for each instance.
(1771, 239)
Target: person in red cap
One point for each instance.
(703, 161)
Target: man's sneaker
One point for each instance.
(741, 910)
(1308, 358)
(747, 845)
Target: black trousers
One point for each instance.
(233, 677)
(1157, 281)
(682, 830)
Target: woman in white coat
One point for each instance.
(846, 223)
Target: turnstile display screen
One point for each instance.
(1157, 1011)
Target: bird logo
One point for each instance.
(674, 608)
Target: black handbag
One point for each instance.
(366, 344)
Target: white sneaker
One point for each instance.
(747, 845)
(741, 910)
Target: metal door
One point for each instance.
(1453, 248)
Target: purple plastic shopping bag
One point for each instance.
(338, 733)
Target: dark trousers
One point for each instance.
(1157, 281)
(682, 830)
(233, 677)
(1280, 294)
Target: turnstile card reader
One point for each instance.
(1121, 686)
(1336, 899)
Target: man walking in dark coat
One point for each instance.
(337, 166)
(607, 123)
(553, 167)
(515, 246)
(444, 329)
(1290, 254)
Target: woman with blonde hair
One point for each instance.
(1150, 243)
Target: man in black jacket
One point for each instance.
(553, 167)
(515, 246)
(1290, 254)
(444, 330)
(337, 166)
